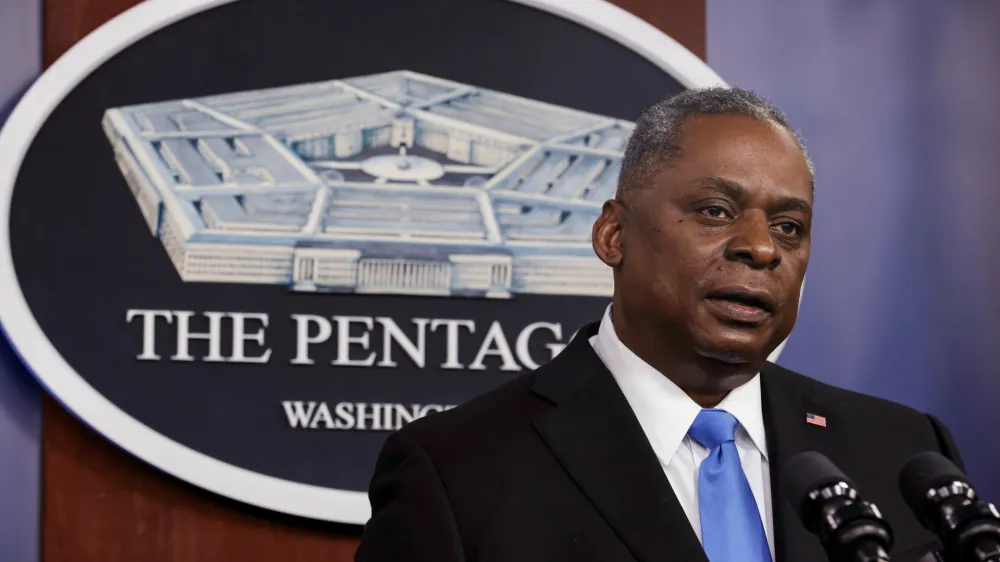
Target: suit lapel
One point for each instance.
(786, 401)
(599, 442)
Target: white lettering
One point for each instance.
(240, 337)
(322, 416)
(148, 330)
(359, 416)
(344, 341)
(185, 335)
(556, 348)
(495, 344)
(345, 415)
(391, 332)
(430, 408)
(298, 413)
(364, 414)
(353, 349)
(387, 416)
(451, 358)
(404, 415)
(302, 338)
(524, 339)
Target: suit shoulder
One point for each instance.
(865, 419)
(512, 406)
(484, 418)
(842, 398)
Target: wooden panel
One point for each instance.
(100, 504)
(684, 20)
(68, 21)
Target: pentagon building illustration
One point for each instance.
(395, 183)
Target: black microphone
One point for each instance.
(943, 500)
(849, 528)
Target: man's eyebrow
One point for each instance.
(729, 187)
(793, 204)
(739, 192)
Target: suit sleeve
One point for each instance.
(947, 444)
(412, 520)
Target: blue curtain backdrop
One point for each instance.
(898, 103)
(20, 407)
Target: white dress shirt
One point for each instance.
(666, 413)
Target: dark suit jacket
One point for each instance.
(555, 467)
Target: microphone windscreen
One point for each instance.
(924, 472)
(806, 472)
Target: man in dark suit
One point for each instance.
(660, 432)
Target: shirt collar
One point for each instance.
(664, 411)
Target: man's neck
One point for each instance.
(705, 380)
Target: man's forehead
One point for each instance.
(700, 130)
(741, 150)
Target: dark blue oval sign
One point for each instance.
(245, 240)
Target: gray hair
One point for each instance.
(656, 139)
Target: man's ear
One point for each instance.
(607, 233)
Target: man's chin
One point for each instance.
(737, 353)
(727, 370)
(725, 356)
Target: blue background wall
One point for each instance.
(898, 103)
(20, 396)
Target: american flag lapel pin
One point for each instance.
(816, 420)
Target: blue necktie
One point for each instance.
(731, 529)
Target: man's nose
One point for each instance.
(753, 243)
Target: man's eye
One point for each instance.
(789, 228)
(715, 211)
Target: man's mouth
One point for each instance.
(742, 305)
